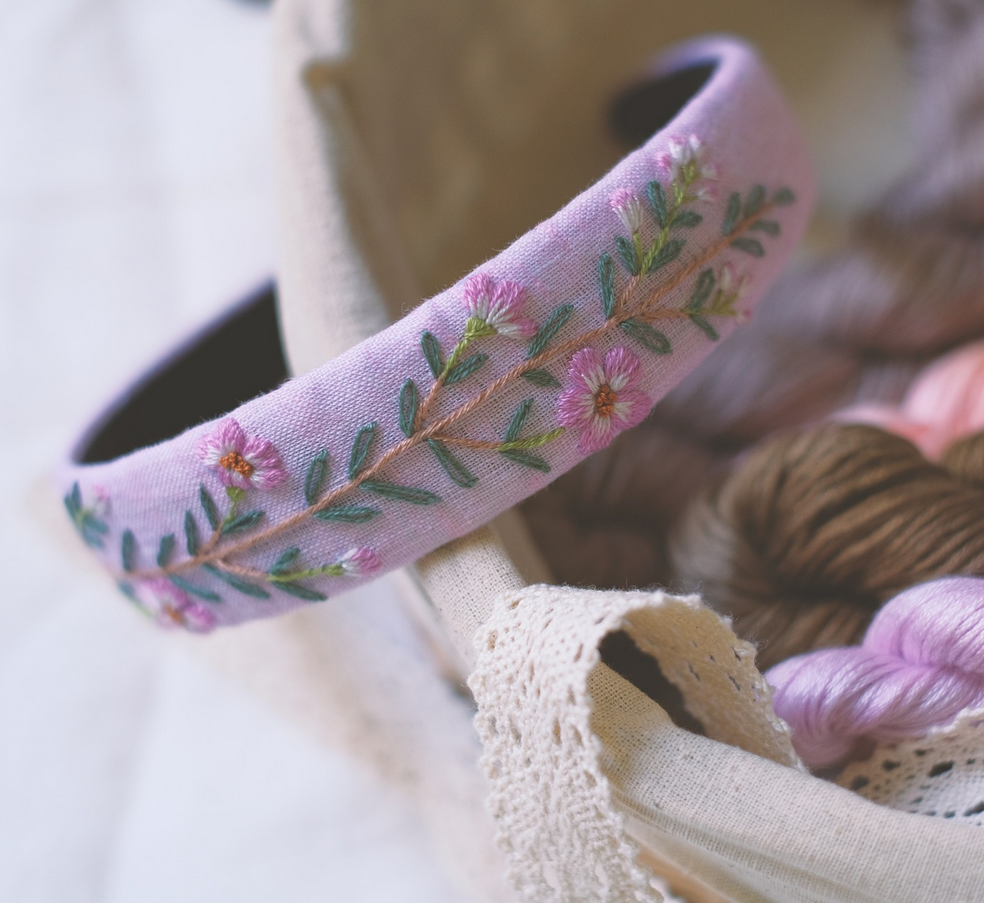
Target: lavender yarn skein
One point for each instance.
(920, 664)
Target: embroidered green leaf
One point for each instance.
(165, 551)
(606, 276)
(749, 245)
(768, 226)
(128, 550)
(73, 501)
(783, 197)
(452, 466)
(755, 200)
(316, 476)
(518, 456)
(702, 290)
(542, 378)
(241, 522)
(667, 254)
(91, 529)
(705, 324)
(300, 591)
(401, 493)
(209, 507)
(533, 441)
(286, 561)
(360, 449)
(687, 219)
(194, 590)
(731, 214)
(191, 534)
(91, 522)
(657, 200)
(326, 570)
(546, 333)
(518, 419)
(465, 368)
(432, 353)
(409, 399)
(627, 251)
(347, 514)
(237, 582)
(652, 338)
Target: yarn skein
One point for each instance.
(944, 403)
(921, 664)
(815, 529)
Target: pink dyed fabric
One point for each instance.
(706, 213)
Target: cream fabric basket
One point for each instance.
(362, 90)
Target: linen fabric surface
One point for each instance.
(431, 428)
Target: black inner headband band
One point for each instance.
(233, 360)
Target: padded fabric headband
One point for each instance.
(273, 493)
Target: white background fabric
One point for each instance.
(135, 197)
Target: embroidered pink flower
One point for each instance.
(601, 400)
(242, 461)
(359, 561)
(627, 208)
(685, 163)
(171, 607)
(496, 307)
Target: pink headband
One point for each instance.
(470, 403)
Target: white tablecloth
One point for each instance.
(136, 197)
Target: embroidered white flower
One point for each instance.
(627, 208)
(685, 163)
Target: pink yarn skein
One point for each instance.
(945, 402)
(920, 664)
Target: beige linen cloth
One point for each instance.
(414, 140)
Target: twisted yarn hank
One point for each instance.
(815, 529)
(921, 663)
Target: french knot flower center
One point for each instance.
(605, 399)
(235, 461)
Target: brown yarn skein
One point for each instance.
(803, 541)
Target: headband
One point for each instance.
(211, 506)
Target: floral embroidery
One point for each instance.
(169, 606)
(601, 400)
(684, 164)
(89, 520)
(628, 209)
(496, 307)
(600, 397)
(732, 286)
(241, 461)
(357, 562)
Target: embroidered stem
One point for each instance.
(644, 309)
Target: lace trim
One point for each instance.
(563, 837)
(941, 774)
